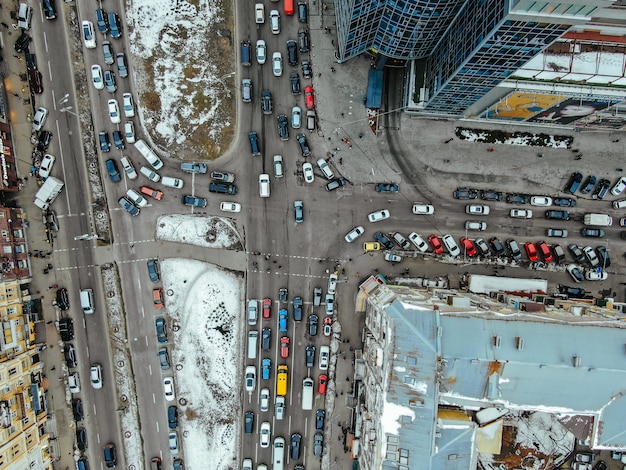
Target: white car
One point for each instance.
(307, 169)
(296, 117)
(275, 21)
(378, 215)
(392, 258)
(136, 198)
(88, 35)
(250, 379)
(96, 77)
(261, 51)
(129, 132)
(247, 464)
(596, 275)
(129, 105)
(265, 399)
(259, 13)
(230, 206)
(450, 244)
(39, 119)
(619, 187)
(277, 64)
(74, 382)
(325, 167)
(477, 209)
(168, 388)
(95, 373)
(418, 241)
(543, 201)
(591, 256)
(114, 111)
(172, 438)
(265, 434)
(521, 213)
(324, 357)
(423, 209)
(150, 174)
(129, 169)
(47, 162)
(353, 234)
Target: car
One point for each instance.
(564, 202)
(335, 184)
(128, 206)
(353, 234)
(317, 296)
(318, 444)
(435, 243)
(193, 201)
(107, 51)
(110, 455)
(517, 199)
(491, 195)
(112, 170)
(619, 186)
(531, 251)
(250, 379)
(115, 29)
(392, 258)
(378, 215)
(557, 215)
(423, 209)
(129, 169)
(603, 256)
(43, 141)
(161, 332)
(577, 253)
(114, 111)
(69, 353)
(102, 21)
(277, 64)
(295, 446)
(418, 241)
(309, 97)
(223, 188)
(283, 127)
(128, 104)
(95, 374)
(164, 359)
(172, 438)
(217, 175)
(47, 162)
(387, 187)
(89, 36)
(592, 232)
(477, 209)
(401, 241)
(266, 102)
(521, 213)
(284, 347)
(34, 80)
(294, 79)
(468, 247)
(105, 145)
(497, 246)
(296, 117)
(322, 383)
(575, 272)
(559, 254)
(77, 409)
(589, 184)
(324, 355)
(320, 417)
(66, 329)
(248, 422)
(451, 246)
(266, 339)
(573, 183)
(546, 253)
(513, 247)
(304, 145)
(266, 309)
(303, 40)
(475, 225)
(153, 270)
(572, 291)
(556, 232)
(109, 81)
(283, 294)
(307, 72)
(153, 193)
(465, 193)
(307, 170)
(282, 320)
(81, 439)
(266, 367)
(157, 298)
(279, 408)
(292, 53)
(21, 44)
(230, 206)
(591, 256)
(482, 247)
(310, 356)
(39, 119)
(310, 119)
(383, 240)
(602, 189)
(597, 274)
(265, 434)
(264, 399)
(275, 21)
(371, 246)
(122, 67)
(328, 326)
(312, 323)
(73, 381)
(261, 51)
(297, 308)
(542, 201)
(325, 168)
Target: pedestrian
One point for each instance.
(615, 140)
(341, 160)
(332, 69)
(53, 368)
(342, 114)
(319, 74)
(5, 25)
(332, 42)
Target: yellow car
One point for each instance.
(371, 246)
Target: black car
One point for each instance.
(153, 270)
(34, 79)
(63, 300)
(320, 416)
(573, 183)
(304, 145)
(295, 83)
(223, 188)
(310, 356)
(161, 332)
(601, 465)
(313, 325)
(303, 40)
(248, 422)
(118, 140)
(31, 62)
(292, 53)
(592, 232)
(48, 9)
(306, 69)
(69, 352)
(517, 199)
(497, 246)
(81, 439)
(564, 202)
(513, 247)
(491, 195)
(172, 417)
(66, 329)
(77, 409)
(559, 254)
(266, 339)
(601, 189)
(254, 144)
(297, 308)
(603, 255)
(266, 102)
(283, 127)
(557, 215)
(335, 184)
(572, 291)
(45, 137)
(295, 446)
(383, 240)
(21, 43)
(302, 12)
(589, 184)
(577, 253)
(387, 188)
(464, 193)
(105, 145)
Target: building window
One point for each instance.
(12, 371)
(411, 360)
(409, 380)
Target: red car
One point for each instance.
(468, 246)
(267, 309)
(545, 251)
(531, 251)
(309, 97)
(284, 347)
(322, 382)
(435, 242)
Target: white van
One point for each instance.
(264, 185)
(253, 339)
(86, 301)
(307, 393)
(24, 15)
(172, 182)
(278, 166)
(278, 454)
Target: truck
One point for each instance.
(193, 167)
(599, 220)
(48, 192)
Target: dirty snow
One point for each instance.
(199, 230)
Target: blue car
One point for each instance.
(114, 173)
(266, 367)
(114, 25)
(282, 321)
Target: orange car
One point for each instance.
(157, 297)
(153, 193)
